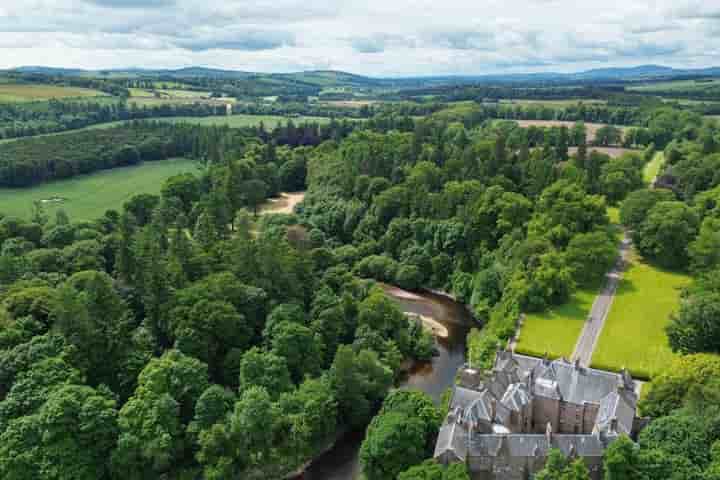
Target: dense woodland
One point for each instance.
(181, 337)
(30, 161)
(36, 118)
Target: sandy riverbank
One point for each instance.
(285, 203)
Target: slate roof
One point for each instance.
(516, 397)
(535, 445)
(515, 380)
(452, 438)
(574, 384)
(616, 407)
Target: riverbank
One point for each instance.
(285, 203)
(433, 377)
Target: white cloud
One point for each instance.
(376, 37)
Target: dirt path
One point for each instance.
(601, 307)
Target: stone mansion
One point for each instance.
(503, 423)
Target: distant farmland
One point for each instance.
(234, 121)
(14, 92)
(591, 128)
(239, 121)
(87, 197)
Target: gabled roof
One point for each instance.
(574, 384)
(533, 445)
(615, 407)
(516, 397)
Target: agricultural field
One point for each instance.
(556, 331)
(591, 128)
(634, 332)
(88, 197)
(553, 103)
(234, 121)
(169, 94)
(239, 121)
(681, 85)
(14, 92)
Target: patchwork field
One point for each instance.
(556, 331)
(13, 92)
(634, 333)
(88, 197)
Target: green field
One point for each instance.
(557, 330)
(553, 103)
(652, 169)
(676, 85)
(234, 121)
(613, 214)
(634, 332)
(87, 197)
(169, 94)
(238, 121)
(14, 92)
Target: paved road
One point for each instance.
(598, 313)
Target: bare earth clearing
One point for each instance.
(592, 128)
(614, 152)
(284, 204)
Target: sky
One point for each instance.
(370, 37)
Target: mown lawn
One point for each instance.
(652, 169)
(88, 197)
(557, 330)
(634, 333)
(14, 92)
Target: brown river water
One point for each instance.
(342, 462)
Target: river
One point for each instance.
(341, 462)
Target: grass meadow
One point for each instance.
(556, 331)
(652, 169)
(634, 333)
(14, 92)
(87, 197)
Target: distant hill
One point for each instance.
(332, 78)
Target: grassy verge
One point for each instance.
(634, 333)
(88, 197)
(652, 169)
(556, 331)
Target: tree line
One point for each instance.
(180, 337)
